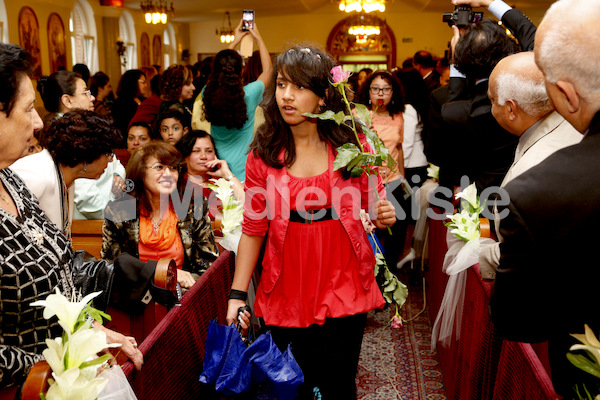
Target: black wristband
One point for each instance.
(238, 295)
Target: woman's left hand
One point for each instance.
(128, 345)
(221, 169)
(185, 279)
(386, 214)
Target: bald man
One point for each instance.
(520, 104)
(547, 282)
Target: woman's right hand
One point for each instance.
(233, 316)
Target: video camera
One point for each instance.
(462, 16)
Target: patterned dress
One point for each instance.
(35, 258)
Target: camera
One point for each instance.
(462, 16)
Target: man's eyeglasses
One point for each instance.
(378, 90)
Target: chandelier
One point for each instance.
(362, 32)
(362, 5)
(362, 26)
(158, 12)
(225, 33)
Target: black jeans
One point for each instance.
(327, 354)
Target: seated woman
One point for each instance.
(172, 125)
(202, 163)
(77, 145)
(156, 227)
(35, 257)
(65, 91)
(101, 89)
(176, 87)
(139, 134)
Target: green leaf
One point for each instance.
(345, 154)
(96, 361)
(584, 364)
(362, 112)
(326, 115)
(356, 172)
(339, 117)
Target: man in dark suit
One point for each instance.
(467, 113)
(467, 125)
(424, 63)
(546, 283)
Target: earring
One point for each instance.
(84, 167)
(369, 101)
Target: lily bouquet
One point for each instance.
(72, 356)
(464, 239)
(590, 362)
(233, 213)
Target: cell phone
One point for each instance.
(247, 19)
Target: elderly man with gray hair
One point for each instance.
(521, 105)
(546, 285)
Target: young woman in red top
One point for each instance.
(317, 282)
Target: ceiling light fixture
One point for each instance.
(225, 33)
(362, 5)
(156, 13)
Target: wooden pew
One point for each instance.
(87, 235)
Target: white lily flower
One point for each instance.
(72, 385)
(433, 171)
(66, 311)
(470, 195)
(55, 354)
(233, 212)
(464, 225)
(84, 344)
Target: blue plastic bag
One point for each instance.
(232, 367)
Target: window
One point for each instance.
(128, 36)
(3, 23)
(169, 46)
(83, 35)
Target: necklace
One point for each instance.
(156, 225)
(4, 198)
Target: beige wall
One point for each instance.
(426, 30)
(107, 49)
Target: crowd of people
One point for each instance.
(516, 111)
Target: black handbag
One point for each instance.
(127, 283)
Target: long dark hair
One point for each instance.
(310, 67)
(128, 88)
(224, 103)
(396, 104)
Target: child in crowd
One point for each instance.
(317, 283)
(172, 125)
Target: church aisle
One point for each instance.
(397, 363)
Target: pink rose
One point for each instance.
(339, 75)
(397, 322)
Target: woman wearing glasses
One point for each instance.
(148, 224)
(76, 145)
(384, 95)
(65, 91)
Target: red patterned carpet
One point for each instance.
(397, 363)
